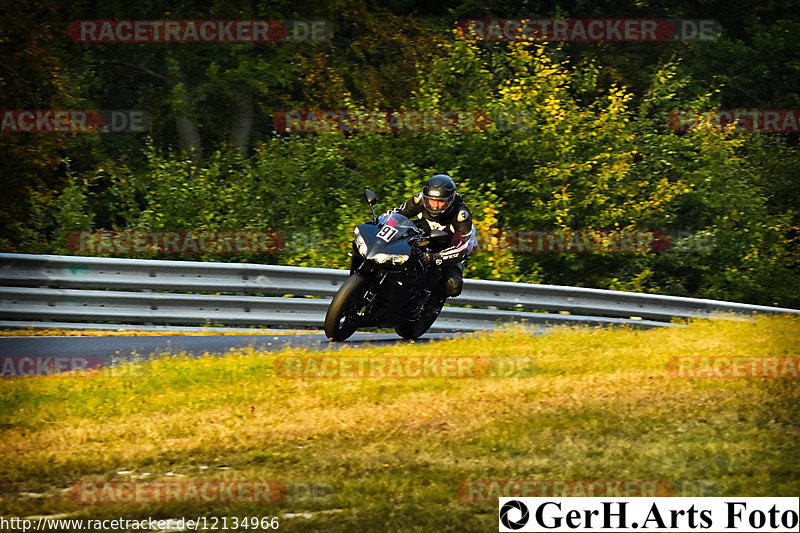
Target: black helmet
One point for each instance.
(440, 188)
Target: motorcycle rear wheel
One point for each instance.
(413, 329)
(340, 322)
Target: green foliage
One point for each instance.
(580, 141)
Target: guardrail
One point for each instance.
(42, 290)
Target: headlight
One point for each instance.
(362, 246)
(396, 259)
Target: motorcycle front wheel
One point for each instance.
(340, 320)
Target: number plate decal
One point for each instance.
(386, 233)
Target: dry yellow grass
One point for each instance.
(601, 405)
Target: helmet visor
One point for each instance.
(436, 205)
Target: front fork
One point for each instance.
(369, 300)
(359, 264)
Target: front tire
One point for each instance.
(339, 320)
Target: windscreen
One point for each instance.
(401, 223)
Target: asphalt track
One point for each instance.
(114, 348)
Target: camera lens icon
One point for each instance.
(524, 514)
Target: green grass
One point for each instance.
(601, 405)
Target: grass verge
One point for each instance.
(359, 454)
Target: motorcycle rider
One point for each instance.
(440, 207)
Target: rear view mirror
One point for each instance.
(370, 197)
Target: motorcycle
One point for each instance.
(389, 284)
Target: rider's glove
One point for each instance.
(431, 259)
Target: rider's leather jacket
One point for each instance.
(456, 220)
